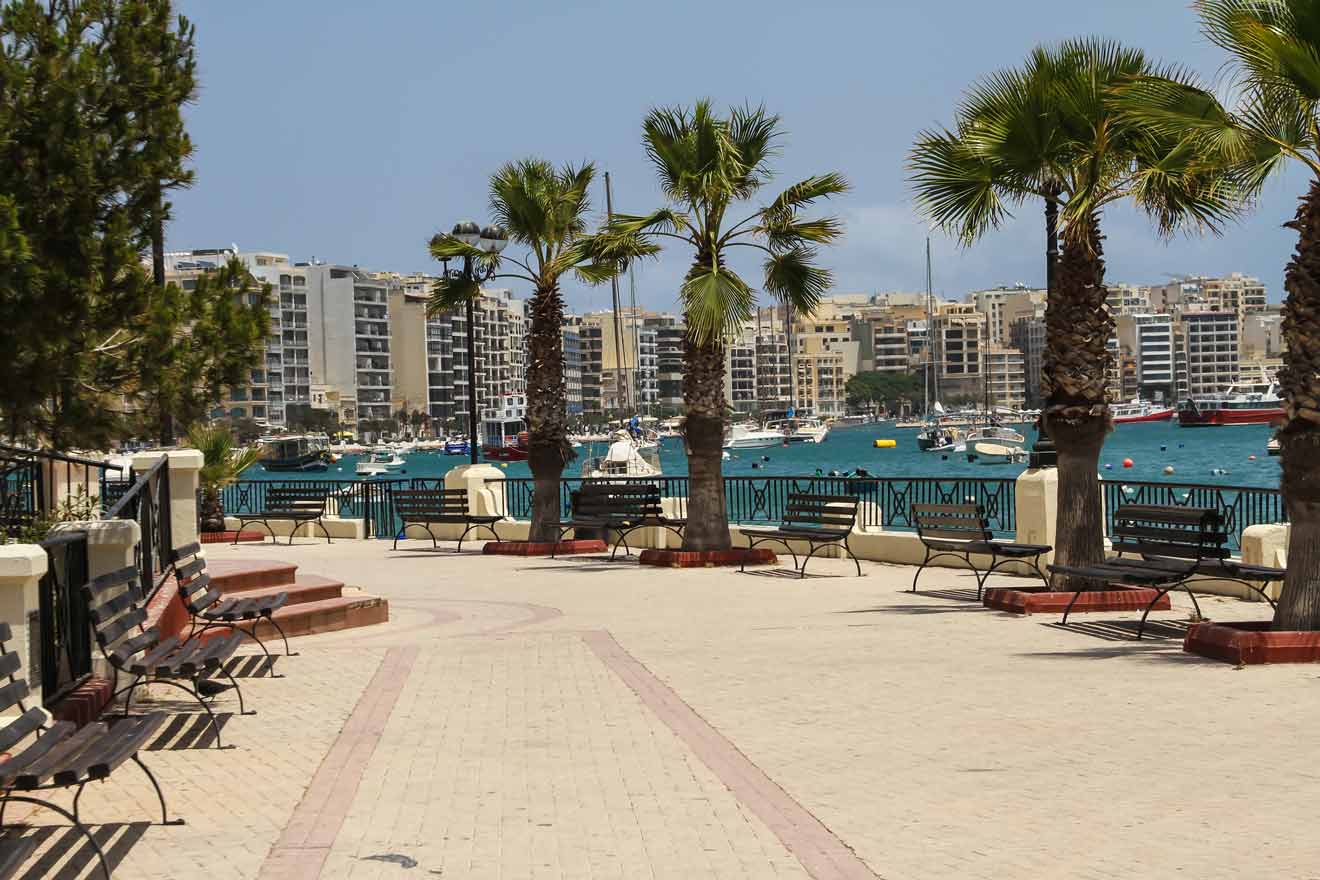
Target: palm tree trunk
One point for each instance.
(212, 514)
(1078, 327)
(547, 411)
(703, 431)
(1299, 603)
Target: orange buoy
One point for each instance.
(1127, 462)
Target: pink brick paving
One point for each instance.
(822, 854)
(301, 850)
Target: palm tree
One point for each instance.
(706, 165)
(1274, 47)
(545, 209)
(221, 465)
(1046, 131)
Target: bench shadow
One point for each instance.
(186, 730)
(1161, 642)
(63, 853)
(791, 574)
(251, 666)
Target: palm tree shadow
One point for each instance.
(63, 853)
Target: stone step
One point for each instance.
(327, 615)
(232, 575)
(305, 588)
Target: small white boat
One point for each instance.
(387, 458)
(749, 435)
(810, 430)
(370, 469)
(995, 444)
(623, 459)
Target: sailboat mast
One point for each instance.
(932, 374)
(637, 340)
(621, 369)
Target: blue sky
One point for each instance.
(350, 132)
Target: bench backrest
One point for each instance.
(618, 500)
(421, 503)
(13, 692)
(296, 500)
(195, 587)
(952, 522)
(831, 513)
(1184, 533)
(119, 615)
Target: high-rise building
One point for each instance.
(1235, 292)
(1028, 336)
(957, 338)
(1005, 377)
(991, 303)
(669, 333)
(1210, 350)
(347, 338)
(1149, 341)
(572, 371)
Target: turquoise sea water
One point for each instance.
(1194, 453)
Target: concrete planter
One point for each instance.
(1251, 643)
(708, 558)
(1042, 601)
(544, 548)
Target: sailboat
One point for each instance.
(934, 437)
(993, 443)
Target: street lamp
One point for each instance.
(492, 240)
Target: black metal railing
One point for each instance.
(1240, 506)
(763, 499)
(65, 629)
(147, 501)
(366, 500)
(37, 485)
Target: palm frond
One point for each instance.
(805, 192)
(793, 279)
(715, 302)
(448, 294)
(956, 188)
(1276, 41)
(783, 233)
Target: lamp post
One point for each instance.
(491, 239)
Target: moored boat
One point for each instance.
(749, 435)
(295, 452)
(1254, 404)
(1140, 411)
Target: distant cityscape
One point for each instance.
(359, 345)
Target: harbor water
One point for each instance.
(1218, 456)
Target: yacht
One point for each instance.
(749, 435)
(634, 461)
(387, 458)
(1257, 403)
(995, 444)
(295, 452)
(810, 430)
(938, 438)
(1140, 411)
(368, 468)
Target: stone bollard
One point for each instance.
(21, 569)
(1037, 508)
(111, 545)
(1266, 545)
(185, 467)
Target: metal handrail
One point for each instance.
(138, 487)
(16, 451)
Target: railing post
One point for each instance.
(181, 490)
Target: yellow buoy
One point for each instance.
(885, 444)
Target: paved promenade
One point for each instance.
(527, 719)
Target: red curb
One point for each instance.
(544, 548)
(822, 854)
(227, 537)
(1251, 643)
(708, 558)
(1038, 601)
(305, 843)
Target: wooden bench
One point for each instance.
(961, 530)
(43, 755)
(119, 616)
(621, 506)
(1167, 546)
(432, 507)
(818, 520)
(301, 504)
(210, 610)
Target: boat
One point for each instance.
(1140, 411)
(369, 468)
(386, 458)
(456, 447)
(296, 452)
(749, 435)
(1257, 403)
(1273, 447)
(506, 441)
(625, 458)
(809, 430)
(940, 438)
(995, 444)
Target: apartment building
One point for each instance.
(1127, 299)
(347, 338)
(1005, 377)
(572, 342)
(1148, 340)
(740, 388)
(669, 335)
(958, 334)
(1210, 351)
(992, 302)
(1235, 293)
(1027, 335)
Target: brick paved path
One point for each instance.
(570, 719)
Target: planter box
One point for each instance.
(1042, 601)
(708, 558)
(1251, 643)
(227, 537)
(544, 548)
